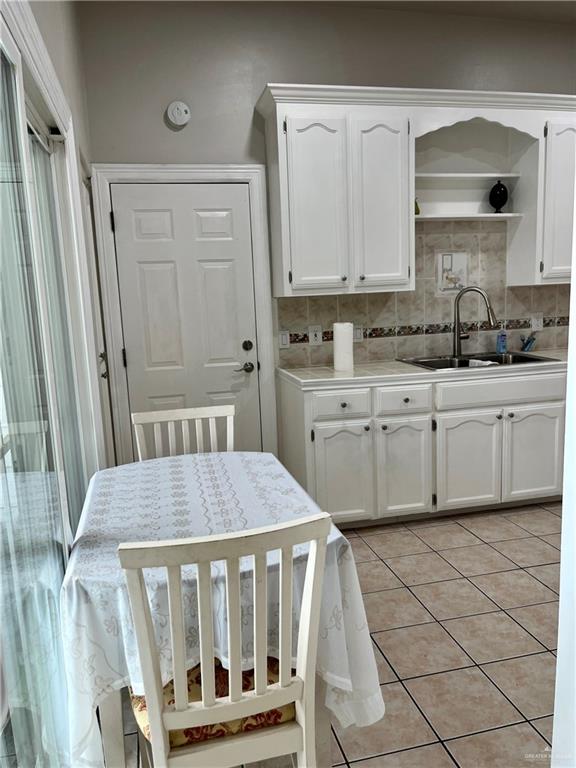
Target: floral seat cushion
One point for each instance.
(188, 736)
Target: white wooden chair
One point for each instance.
(297, 735)
(182, 417)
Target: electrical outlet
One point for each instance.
(314, 335)
(537, 323)
(358, 333)
(284, 339)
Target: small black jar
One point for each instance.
(498, 196)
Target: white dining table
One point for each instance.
(184, 496)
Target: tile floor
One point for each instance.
(463, 614)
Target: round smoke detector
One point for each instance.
(178, 114)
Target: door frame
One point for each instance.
(103, 176)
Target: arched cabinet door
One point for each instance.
(318, 203)
(533, 451)
(382, 211)
(559, 200)
(344, 469)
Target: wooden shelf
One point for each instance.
(467, 216)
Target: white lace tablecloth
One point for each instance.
(198, 495)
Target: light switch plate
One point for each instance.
(537, 321)
(284, 339)
(315, 335)
(358, 333)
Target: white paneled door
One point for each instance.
(185, 276)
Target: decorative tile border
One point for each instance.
(512, 324)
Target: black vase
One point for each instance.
(498, 196)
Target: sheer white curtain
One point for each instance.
(33, 706)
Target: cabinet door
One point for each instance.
(559, 200)
(469, 459)
(317, 191)
(345, 469)
(404, 465)
(381, 202)
(533, 451)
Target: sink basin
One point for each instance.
(441, 363)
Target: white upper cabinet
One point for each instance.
(559, 200)
(317, 186)
(381, 201)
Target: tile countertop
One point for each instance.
(391, 371)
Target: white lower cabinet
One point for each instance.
(469, 458)
(532, 459)
(403, 465)
(343, 453)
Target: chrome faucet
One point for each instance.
(458, 335)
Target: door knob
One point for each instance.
(246, 368)
(499, 417)
(344, 278)
(362, 277)
(247, 345)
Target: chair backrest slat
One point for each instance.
(156, 419)
(234, 628)
(260, 624)
(177, 636)
(206, 627)
(286, 575)
(230, 548)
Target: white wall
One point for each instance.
(58, 24)
(218, 57)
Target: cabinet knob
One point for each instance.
(343, 405)
(406, 399)
(367, 428)
(362, 277)
(344, 278)
(499, 417)
(384, 427)
(511, 415)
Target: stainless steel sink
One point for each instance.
(441, 363)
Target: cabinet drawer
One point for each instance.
(351, 402)
(401, 399)
(529, 389)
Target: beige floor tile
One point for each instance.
(512, 589)
(337, 756)
(432, 756)
(447, 536)
(491, 637)
(361, 551)
(462, 702)
(385, 671)
(421, 650)
(473, 561)
(396, 543)
(526, 552)
(422, 569)
(393, 608)
(402, 727)
(505, 748)
(544, 726)
(528, 682)
(493, 528)
(429, 523)
(451, 599)
(536, 521)
(552, 538)
(547, 574)
(555, 507)
(541, 621)
(374, 576)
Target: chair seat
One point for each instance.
(187, 736)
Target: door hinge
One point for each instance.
(112, 222)
(285, 126)
(434, 500)
(124, 363)
(409, 271)
(312, 435)
(546, 130)
(434, 425)
(290, 276)
(408, 127)
(541, 266)
(258, 364)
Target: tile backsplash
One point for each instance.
(410, 323)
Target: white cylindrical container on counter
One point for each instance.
(343, 346)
